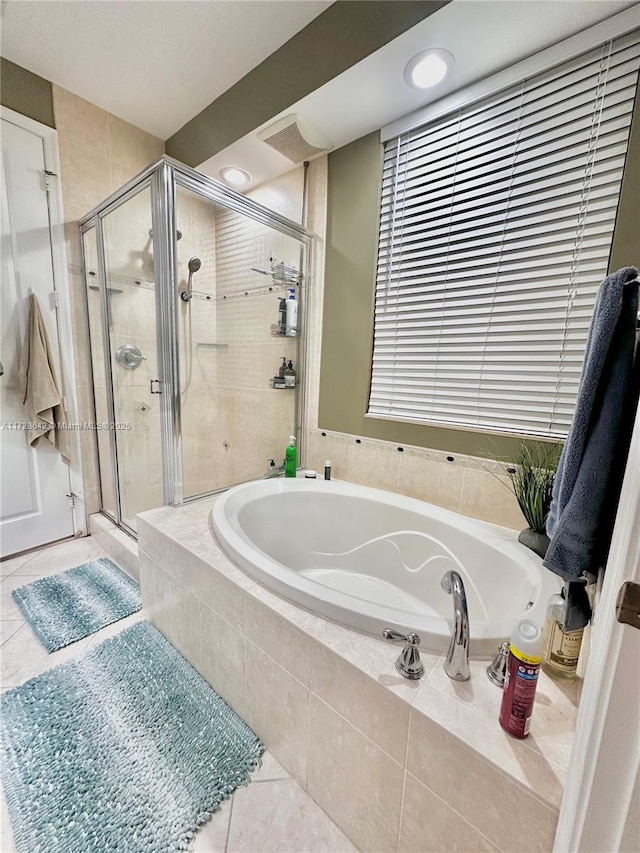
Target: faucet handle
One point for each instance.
(497, 669)
(408, 664)
(410, 639)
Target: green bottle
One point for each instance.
(291, 458)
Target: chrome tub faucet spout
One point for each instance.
(456, 664)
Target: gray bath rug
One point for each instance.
(126, 748)
(66, 607)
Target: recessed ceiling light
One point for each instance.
(234, 176)
(428, 68)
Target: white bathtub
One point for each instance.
(371, 559)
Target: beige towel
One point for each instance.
(37, 384)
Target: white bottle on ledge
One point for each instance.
(292, 314)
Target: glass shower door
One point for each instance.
(234, 271)
(133, 350)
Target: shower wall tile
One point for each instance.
(131, 147)
(470, 485)
(319, 448)
(368, 467)
(96, 149)
(81, 122)
(72, 236)
(430, 480)
(87, 175)
(490, 498)
(79, 318)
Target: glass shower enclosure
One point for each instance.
(186, 283)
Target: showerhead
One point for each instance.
(193, 266)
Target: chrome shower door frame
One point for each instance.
(94, 219)
(163, 177)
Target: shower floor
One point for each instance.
(272, 813)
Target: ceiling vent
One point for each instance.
(294, 138)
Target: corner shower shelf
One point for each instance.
(272, 382)
(276, 331)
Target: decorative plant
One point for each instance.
(532, 480)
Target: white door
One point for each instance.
(34, 507)
(601, 806)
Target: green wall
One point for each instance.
(625, 248)
(353, 207)
(26, 93)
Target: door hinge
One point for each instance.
(154, 386)
(628, 604)
(72, 497)
(54, 296)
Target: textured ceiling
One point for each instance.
(154, 63)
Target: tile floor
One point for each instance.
(271, 815)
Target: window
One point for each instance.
(495, 231)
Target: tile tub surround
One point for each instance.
(398, 765)
(469, 485)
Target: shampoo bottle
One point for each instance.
(291, 458)
(523, 666)
(292, 314)
(561, 648)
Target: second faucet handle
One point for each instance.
(408, 664)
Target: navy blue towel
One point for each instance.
(591, 467)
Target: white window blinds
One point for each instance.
(495, 232)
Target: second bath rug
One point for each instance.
(66, 607)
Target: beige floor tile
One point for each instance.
(23, 657)
(58, 558)
(8, 627)
(212, 837)
(8, 567)
(8, 607)
(269, 770)
(279, 817)
(7, 844)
